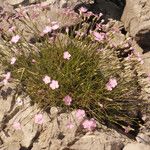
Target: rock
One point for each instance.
(1, 2)
(6, 100)
(109, 9)
(136, 146)
(15, 2)
(54, 111)
(97, 142)
(143, 138)
(41, 19)
(14, 146)
(136, 19)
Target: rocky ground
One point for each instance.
(53, 134)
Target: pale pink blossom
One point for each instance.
(47, 79)
(7, 75)
(16, 126)
(54, 22)
(99, 36)
(100, 14)
(89, 124)
(13, 60)
(38, 119)
(54, 85)
(67, 99)
(19, 101)
(127, 129)
(33, 61)
(70, 125)
(5, 81)
(55, 27)
(67, 55)
(47, 29)
(80, 114)
(108, 87)
(83, 10)
(11, 29)
(102, 21)
(111, 84)
(15, 39)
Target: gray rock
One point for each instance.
(97, 142)
(109, 9)
(136, 146)
(143, 138)
(136, 18)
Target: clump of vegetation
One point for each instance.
(76, 71)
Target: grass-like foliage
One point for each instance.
(86, 70)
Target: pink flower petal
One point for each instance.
(108, 87)
(38, 119)
(19, 101)
(80, 114)
(47, 79)
(67, 100)
(70, 125)
(13, 60)
(99, 36)
(7, 75)
(54, 85)
(89, 124)
(15, 39)
(66, 55)
(55, 27)
(83, 10)
(47, 29)
(16, 125)
(111, 84)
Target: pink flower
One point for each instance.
(13, 60)
(83, 10)
(16, 125)
(55, 27)
(80, 114)
(67, 99)
(70, 125)
(54, 85)
(66, 55)
(15, 39)
(33, 61)
(89, 124)
(7, 75)
(108, 87)
(47, 29)
(111, 84)
(100, 14)
(99, 36)
(5, 81)
(19, 101)
(127, 129)
(38, 119)
(11, 29)
(47, 79)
